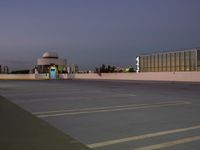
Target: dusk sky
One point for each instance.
(92, 32)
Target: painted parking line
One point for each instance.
(170, 144)
(142, 137)
(63, 98)
(19, 100)
(108, 109)
(131, 95)
(82, 109)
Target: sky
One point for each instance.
(94, 32)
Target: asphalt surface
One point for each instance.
(115, 115)
(20, 130)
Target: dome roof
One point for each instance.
(50, 55)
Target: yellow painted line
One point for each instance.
(170, 144)
(140, 137)
(111, 110)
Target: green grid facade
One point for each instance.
(186, 60)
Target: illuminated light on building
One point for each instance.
(137, 64)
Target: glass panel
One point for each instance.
(177, 64)
(141, 63)
(182, 60)
(172, 61)
(187, 61)
(150, 65)
(160, 62)
(198, 60)
(164, 62)
(154, 61)
(193, 60)
(146, 63)
(168, 61)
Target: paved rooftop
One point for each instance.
(114, 115)
(20, 130)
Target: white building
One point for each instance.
(74, 68)
(51, 63)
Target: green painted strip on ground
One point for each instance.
(20, 130)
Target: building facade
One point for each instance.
(74, 68)
(4, 69)
(172, 61)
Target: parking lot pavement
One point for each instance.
(115, 115)
(20, 130)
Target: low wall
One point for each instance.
(63, 76)
(17, 76)
(42, 76)
(23, 76)
(151, 76)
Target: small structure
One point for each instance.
(51, 64)
(72, 69)
(4, 69)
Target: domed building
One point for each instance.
(52, 64)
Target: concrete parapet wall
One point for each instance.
(63, 76)
(17, 76)
(151, 76)
(41, 76)
(23, 76)
(148, 76)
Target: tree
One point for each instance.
(131, 69)
(97, 70)
(26, 71)
(105, 69)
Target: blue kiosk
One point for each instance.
(53, 72)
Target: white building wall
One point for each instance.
(48, 61)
